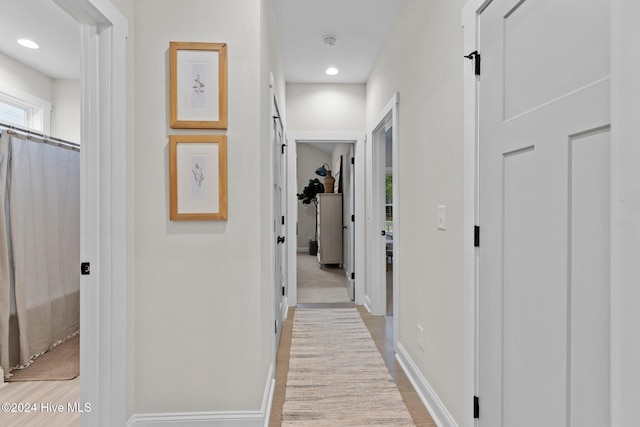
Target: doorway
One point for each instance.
(103, 198)
(388, 219)
(351, 228)
(383, 254)
(324, 262)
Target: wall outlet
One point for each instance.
(442, 217)
(421, 337)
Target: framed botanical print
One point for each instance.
(198, 177)
(198, 85)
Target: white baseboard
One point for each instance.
(367, 303)
(212, 419)
(429, 398)
(303, 250)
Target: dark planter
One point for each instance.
(313, 247)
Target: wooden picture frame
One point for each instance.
(198, 85)
(198, 177)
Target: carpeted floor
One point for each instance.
(336, 375)
(60, 363)
(316, 285)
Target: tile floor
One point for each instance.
(381, 329)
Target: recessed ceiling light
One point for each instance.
(28, 43)
(332, 71)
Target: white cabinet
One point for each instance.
(330, 228)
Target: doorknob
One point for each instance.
(383, 233)
(281, 239)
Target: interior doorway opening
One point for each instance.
(384, 228)
(325, 256)
(388, 219)
(342, 154)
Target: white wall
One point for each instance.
(422, 60)
(200, 296)
(65, 114)
(321, 108)
(325, 107)
(19, 76)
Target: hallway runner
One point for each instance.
(336, 376)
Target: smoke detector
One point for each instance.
(329, 41)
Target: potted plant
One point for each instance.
(307, 197)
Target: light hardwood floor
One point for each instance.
(40, 403)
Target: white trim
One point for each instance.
(212, 419)
(470, 215)
(625, 212)
(367, 303)
(103, 210)
(198, 419)
(358, 139)
(427, 394)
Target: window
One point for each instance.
(13, 115)
(24, 110)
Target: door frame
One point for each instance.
(104, 196)
(377, 300)
(358, 141)
(625, 209)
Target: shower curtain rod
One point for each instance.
(45, 138)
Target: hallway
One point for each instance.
(381, 330)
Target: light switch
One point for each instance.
(442, 217)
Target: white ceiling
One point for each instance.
(359, 26)
(47, 24)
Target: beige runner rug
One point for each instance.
(336, 376)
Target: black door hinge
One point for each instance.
(476, 236)
(283, 291)
(282, 219)
(282, 148)
(276, 327)
(353, 218)
(353, 276)
(353, 160)
(85, 268)
(476, 57)
(476, 407)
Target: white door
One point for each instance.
(279, 232)
(544, 214)
(350, 231)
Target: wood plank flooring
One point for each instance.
(43, 399)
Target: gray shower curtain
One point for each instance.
(39, 247)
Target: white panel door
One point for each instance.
(279, 229)
(350, 230)
(544, 214)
